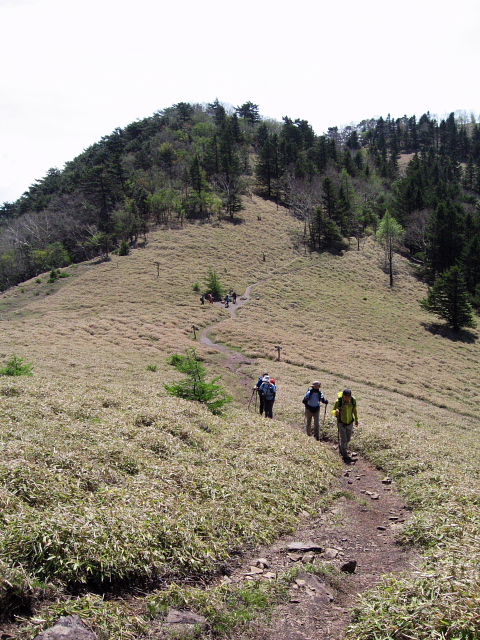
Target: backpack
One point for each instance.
(308, 395)
(269, 392)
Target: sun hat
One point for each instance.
(347, 392)
(316, 384)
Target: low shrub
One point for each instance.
(124, 249)
(16, 367)
(195, 386)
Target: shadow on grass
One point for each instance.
(235, 220)
(455, 336)
(100, 259)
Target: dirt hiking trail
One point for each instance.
(357, 536)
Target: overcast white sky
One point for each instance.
(72, 71)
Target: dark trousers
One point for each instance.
(344, 436)
(268, 406)
(261, 399)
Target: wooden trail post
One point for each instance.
(158, 268)
(278, 348)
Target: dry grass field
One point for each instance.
(106, 481)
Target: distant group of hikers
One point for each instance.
(344, 409)
(230, 297)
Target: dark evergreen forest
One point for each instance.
(193, 162)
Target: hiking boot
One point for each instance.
(347, 459)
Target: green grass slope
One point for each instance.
(108, 483)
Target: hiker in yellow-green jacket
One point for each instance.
(345, 410)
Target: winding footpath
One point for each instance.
(233, 360)
(358, 531)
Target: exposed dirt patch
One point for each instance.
(361, 528)
(403, 162)
(232, 360)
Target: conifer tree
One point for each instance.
(445, 237)
(195, 385)
(219, 113)
(229, 161)
(249, 112)
(348, 164)
(319, 154)
(267, 171)
(469, 175)
(329, 199)
(352, 141)
(261, 136)
(448, 299)
(471, 260)
(324, 232)
(213, 284)
(197, 202)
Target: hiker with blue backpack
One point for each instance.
(312, 401)
(256, 389)
(268, 390)
(345, 410)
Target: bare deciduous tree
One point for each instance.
(416, 230)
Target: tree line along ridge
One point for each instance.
(198, 162)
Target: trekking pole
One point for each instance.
(323, 423)
(251, 398)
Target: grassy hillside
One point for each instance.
(107, 482)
